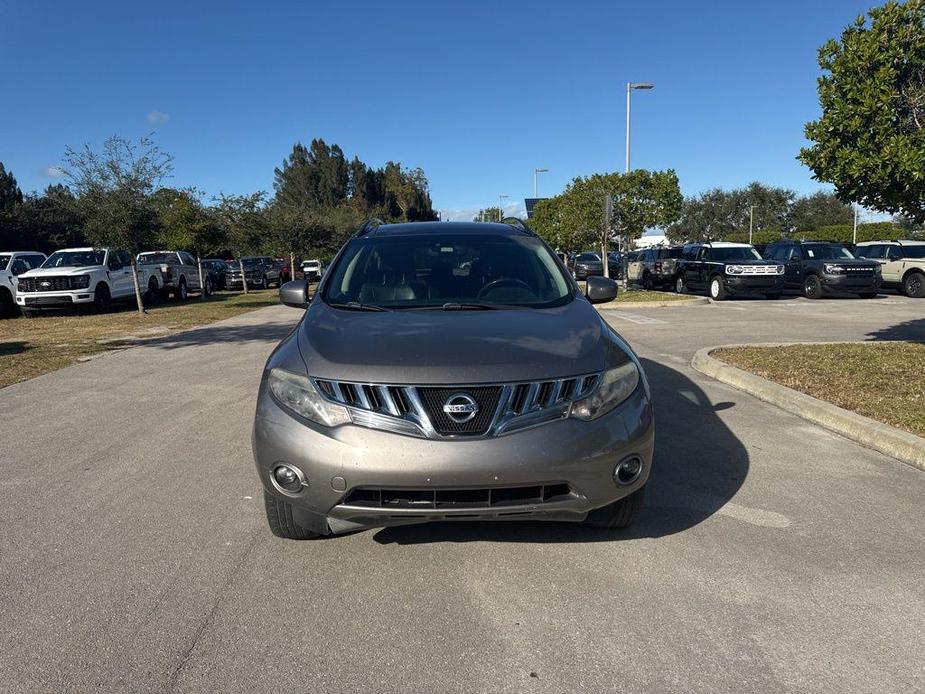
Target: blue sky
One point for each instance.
(476, 93)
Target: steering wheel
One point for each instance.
(503, 282)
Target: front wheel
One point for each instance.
(182, 291)
(914, 285)
(280, 520)
(717, 288)
(620, 514)
(101, 298)
(210, 289)
(679, 285)
(812, 287)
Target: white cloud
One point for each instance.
(157, 117)
(467, 214)
(53, 171)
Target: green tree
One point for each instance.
(10, 201)
(717, 213)
(640, 199)
(312, 176)
(243, 222)
(870, 139)
(114, 187)
(51, 220)
(818, 210)
(408, 190)
(10, 194)
(489, 214)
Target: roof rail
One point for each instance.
(518, 223)
(368, 226)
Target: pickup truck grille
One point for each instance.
(422, 410)
(45, 284)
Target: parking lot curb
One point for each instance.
(905, 447)
(616, 306)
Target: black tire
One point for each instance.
(209, 289)
(279, 518)
(153, 295)
(7, 305)
(102, 299)
(620, 514)
(679, 285)
(774, 295)
(717, 288)
(264, 283)
(647, 283)
(182, 292)
(914, 285)
(868, 295)
(812, 287)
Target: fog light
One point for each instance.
(628, 470)
(288, 479)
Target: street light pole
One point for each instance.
(501, 199)
(535, 172)
(855, 235)
(630, 86)
(751, 223)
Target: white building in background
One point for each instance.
(650, 240)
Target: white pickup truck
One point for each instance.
(12, 265)
(80, 277)
(176, 271)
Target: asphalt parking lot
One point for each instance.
(772, 556)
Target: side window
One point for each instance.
(125, 258)
(704, 253)
(187, 259)
(894, 253)
(873, 252)
(114, 262)
(794, 254)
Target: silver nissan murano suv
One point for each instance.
(449, 371)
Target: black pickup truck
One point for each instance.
(819, 267)
(723, 269)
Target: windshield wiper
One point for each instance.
(357, 306)
(466, 306)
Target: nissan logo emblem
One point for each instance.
(460, 407)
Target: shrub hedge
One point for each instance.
(842, 233)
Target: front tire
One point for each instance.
(281, 522)
(182, 291)
(914, 285)
(679, 285)
(717, 288)
(102, 299)
(647, 283)
(210, 289)
(620, 514)
(812, 287)
(7, 305)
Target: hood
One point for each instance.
(59, 271)
(751, 261)
(447, 347)
(853, 262)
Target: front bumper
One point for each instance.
(849, 284)
(570, 451)
(52, 300)
(235, 282)
(754, 284)
(583, 273)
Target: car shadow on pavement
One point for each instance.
(908, 331)
(699, 466)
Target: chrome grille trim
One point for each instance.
(399, 409)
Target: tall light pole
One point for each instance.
(501, 199)
(854, 236)
(535, 172)
(751, 223)
(630, 86)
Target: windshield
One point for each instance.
(157, 258)
(251, 263)
(75, 259)
(826, 251)
(735, 253)
(4, 261)
(447, 269)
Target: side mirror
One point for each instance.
(600, 290)
(294, 293)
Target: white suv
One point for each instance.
(903, 264)
(12, 265)
(79, 277)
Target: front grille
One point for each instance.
(486, 398)
(419, 410)
(45, 284)
(759, 270)
(859, 271)
(488, 497)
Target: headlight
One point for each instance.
(21, 286)
(80, 282)
(878, 269)
(297, 394)
(734, 269)
(616, 386)
(833, 269)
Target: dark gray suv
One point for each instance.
(449, 371)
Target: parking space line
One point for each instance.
(632, 318)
